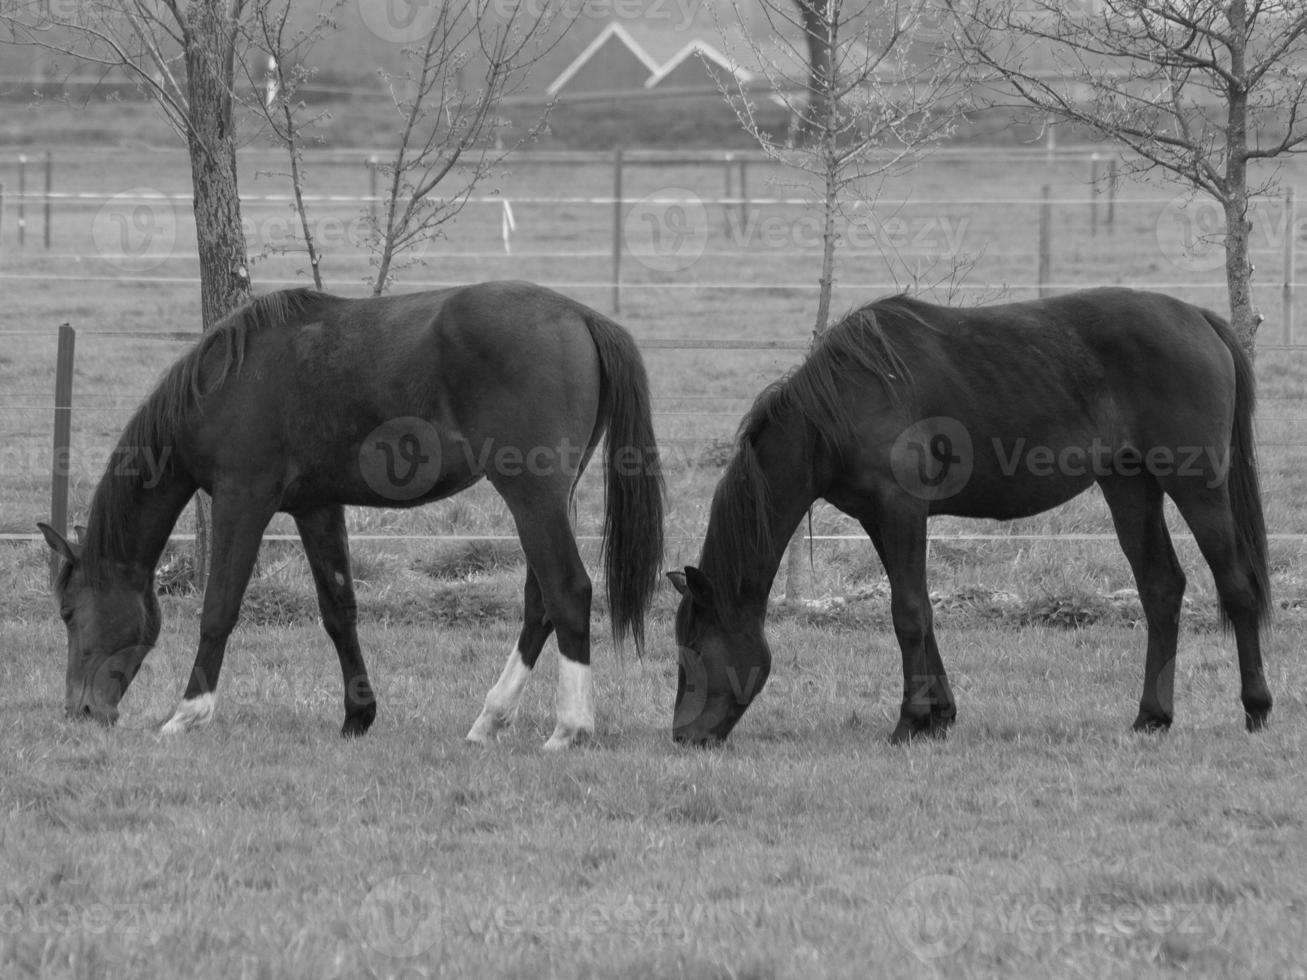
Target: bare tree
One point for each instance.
(276, 69)
(450, 135)
(1199, 90)
(867, 102)
(183, 56)
(868, 106)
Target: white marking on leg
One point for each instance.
(576, 709)
(191, 713)
(501, 700)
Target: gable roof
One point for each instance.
(613, 30)
(692, 52)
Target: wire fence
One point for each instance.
(629, 225)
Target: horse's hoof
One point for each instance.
(358, 722)
(192, 713)
(932, 726)
(1151, 724)
(1256, 720)
(485, 730)
(567, 738)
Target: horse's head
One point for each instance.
(722, 666)
(113, 621)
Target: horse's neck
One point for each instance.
(783, 457)
(134, 519)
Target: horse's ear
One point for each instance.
(693, 583)
(80, 531)
(57, 542)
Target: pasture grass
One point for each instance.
(1041, 839)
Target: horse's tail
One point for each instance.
(1241, 481)
(633, 481)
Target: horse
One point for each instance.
(905, 409)
(303, 402)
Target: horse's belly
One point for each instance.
(1010, 497)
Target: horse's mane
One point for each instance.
(739, 525)
(167, 410)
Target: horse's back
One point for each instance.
(476, 373)
(1040, 398)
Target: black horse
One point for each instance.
(906, 409)
(303, 402)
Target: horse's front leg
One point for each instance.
(326, 546)
(240, 515)
(928, 708)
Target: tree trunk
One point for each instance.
(1239, 272)
(796, 578)
(209, 42)
(1238, 228)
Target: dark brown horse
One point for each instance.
(906, 409)
(303, 402)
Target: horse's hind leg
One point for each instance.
(1136, 505)
(540, 511)
(502, 699)
(928, 707)
(327, 547)
(1207, 512)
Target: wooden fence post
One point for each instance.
(63, 427)
(49, 188)
(22, 199)
(744, 191)
(617, 230)
(1045, 244)
(1111, 192)
(1290, 262)
(1093, 195)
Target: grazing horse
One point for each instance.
(304, 402)
(906, 409)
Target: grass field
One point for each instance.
(1041, 839)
